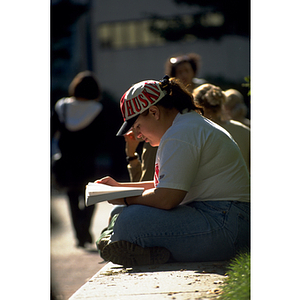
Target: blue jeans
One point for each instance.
(198, 231)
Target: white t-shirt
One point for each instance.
(79, 114)
(200, 157)
(241, 134)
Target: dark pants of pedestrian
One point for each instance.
(81, 215)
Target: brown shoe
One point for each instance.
(129, 255)
(102, 242)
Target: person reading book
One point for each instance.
(197, 206)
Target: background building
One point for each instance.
(114, 39)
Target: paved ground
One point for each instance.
(180, 281)
(71, 267)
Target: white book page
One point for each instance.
(99, 188)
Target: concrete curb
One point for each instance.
(167, 281)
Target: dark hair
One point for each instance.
(85, 85)
(178, 96)
(173, 62)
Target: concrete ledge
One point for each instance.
(167, 281)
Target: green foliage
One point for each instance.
(237, 285)
(212, 19)
(247, 79)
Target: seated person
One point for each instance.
(210, 98)
(197, 206)
(234, 107)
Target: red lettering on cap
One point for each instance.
(144, 101)
(150, 97)
(154, 89)
(136, 104)
(133, 106)
(129, 108)
(122, 106)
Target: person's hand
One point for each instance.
(108, 180)
(112, 182)
(119, 201)
(131, 143)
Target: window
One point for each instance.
(131, 34)
(136, 34)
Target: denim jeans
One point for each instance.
(198, 231)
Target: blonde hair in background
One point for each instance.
(235, 103)
(209, 96)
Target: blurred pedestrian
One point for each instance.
(234, 107)
(185, 67)
(78, 120)
(210, 99)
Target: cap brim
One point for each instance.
(126, 126)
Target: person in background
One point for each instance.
(210, 99)
(197, 208)
(139, 169)
(234, 107)
(185, 67)
(78, 120)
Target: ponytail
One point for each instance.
(177, 95)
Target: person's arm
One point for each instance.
(134, 165)
(112, 182)
(54, 123)
(148, 162)
(163, 198)
(134, 169)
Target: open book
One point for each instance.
(97, 192)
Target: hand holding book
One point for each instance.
(98, 192)
(142, 193)
(109, 181)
